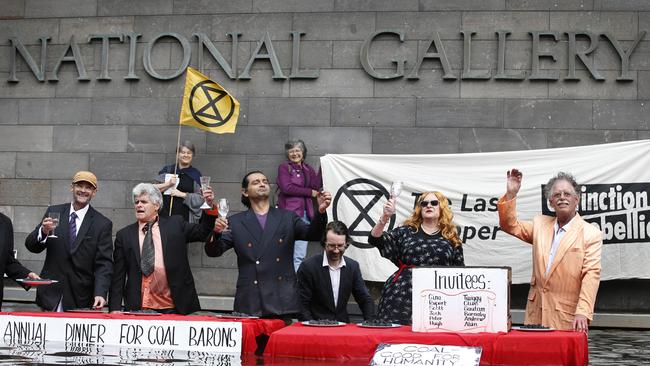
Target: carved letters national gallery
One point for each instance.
(580, 47)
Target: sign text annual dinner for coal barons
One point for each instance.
(544, 49)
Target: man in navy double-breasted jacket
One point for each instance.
(263, 239)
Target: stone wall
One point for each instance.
(124, 130)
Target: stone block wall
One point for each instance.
(124, 129)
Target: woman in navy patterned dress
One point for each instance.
(427, 238)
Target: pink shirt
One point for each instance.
(155, 288)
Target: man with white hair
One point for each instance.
(152, 270)
(566, 254)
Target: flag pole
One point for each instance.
(178, 146)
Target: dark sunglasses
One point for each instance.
(433, 203)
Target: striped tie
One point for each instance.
(72, 230)
(148, 256)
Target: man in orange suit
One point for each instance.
(566, 255)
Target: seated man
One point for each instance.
(326, 280)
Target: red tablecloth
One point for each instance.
(351, 342)
(251, 328)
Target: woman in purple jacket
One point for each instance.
(298, 183)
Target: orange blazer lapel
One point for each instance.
(545, 245)
(567, 242)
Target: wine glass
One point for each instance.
(205, 183)
(54, 216)
(223, 207)
(396, 189)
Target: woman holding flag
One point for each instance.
(181, 186)
(208, 106)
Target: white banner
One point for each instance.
(614, 197)
(66, 353)
(222, 337)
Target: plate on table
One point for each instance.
(320, 323)
(533, 329)
(236, 316)
(362, 325)
(85, 310)
(36, 281)
(142, 312)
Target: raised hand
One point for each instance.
(513, 183)
(389, 208)
(324, 200)
(47, 226)
(220, 224)
(208, 195)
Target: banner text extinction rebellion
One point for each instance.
(620, 210)
(544, 49)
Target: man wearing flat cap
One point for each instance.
(78, 251)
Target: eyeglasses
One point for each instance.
(335, 246)
(559, 195)
(433, 203)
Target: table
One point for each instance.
(251, 328)
(351, 342)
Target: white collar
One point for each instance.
(327, 264)
(80, 213)
(566, 227)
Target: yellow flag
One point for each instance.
(207, 105)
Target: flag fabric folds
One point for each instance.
(207, 105)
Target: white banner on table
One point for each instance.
(614, 197)
(222, 337)
(461, 299)
(425, 354)
(53, 353)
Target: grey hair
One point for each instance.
(187, 144)
(147, 188)
(548, 190)
(296, 143)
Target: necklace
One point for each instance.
(428, 233)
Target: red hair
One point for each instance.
(445, 220)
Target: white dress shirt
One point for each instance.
(558, 234)
(335, 276)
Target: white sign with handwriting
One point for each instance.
(461, 299)
(425, 354)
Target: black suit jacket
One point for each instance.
(266, 285)
(316, 296)
(175, 234)
(83, 272)
(8, 264)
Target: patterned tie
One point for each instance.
(148, 255)
(72, 230)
